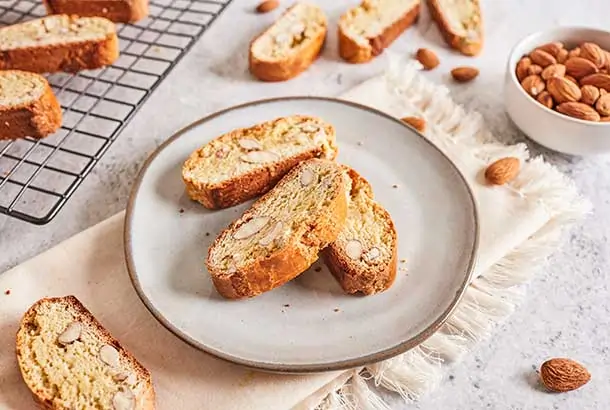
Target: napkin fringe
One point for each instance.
(494, 295)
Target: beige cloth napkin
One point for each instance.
(91, 266)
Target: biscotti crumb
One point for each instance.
(360, 143)
(336, 309)
(394, 186)
(318, 269)
(207, 234)
(7, 292)
(181, 210)
(286, 305)
(403, 261)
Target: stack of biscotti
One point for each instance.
(120, 11)
(316, 205)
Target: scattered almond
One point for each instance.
(563, 90)
(554, 70)
(71, 333)
(372, 254)
(259, 157)
(545, 99)
(575, 52)
(464, 74)
(502, 171)
(522, 68)
(589, 93)
(307, 177)
(542, 58)
(109, 355)
(578, 110)
(562, 56)
(416, 122)
(579, 67)
(593, 53)
(562, 375)
(427, 58)
(353, 248)
(273, 233)
(534, 69)
(267, 6)
(251, 227)
(598, 80)
(533, 84)
(603, 105)
(124, 400)
(552, 48)
(249, 144)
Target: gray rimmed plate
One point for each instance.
(308, 325)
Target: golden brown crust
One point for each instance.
(35, 119)
(122, 11)
(355, 53)
(466, 46)
(145, 400)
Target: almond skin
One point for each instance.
(427, 58)
(534, 69)
(522, 68)
(502, 171)
(593, 53)
(562, 56)
(562, 375)
(563, 90)
(589, 94)
(579, 67)
(267, 6)
(416, 122)
(598, 80)
(554, 70)
(552, 48)
(542, 58)
(533, 85)
(578, 110)
(545, 99)
(575, 52)
(603, 105)
(464, 74)
(570, 78)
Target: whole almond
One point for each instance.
(545, 99)
(554, 70)
(607, 54)
(464, 74)
(604, 119)
(427, 58)
(502, 171)
(575, 52)
(534, 69)
(598, 80)
(267, 6)
(570, 78)
(563, 90)
(542, 58)
(579, 67)
(533, 85)
(522, 68)
(578, 110)
(561, 375)
(589, 94)
(593, 53)
(562, 56)
(416, 122)
(602, 91)
(551, 48)
(603, 105)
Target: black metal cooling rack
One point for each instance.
(37, 177)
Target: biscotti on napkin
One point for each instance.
(59, 43)
(69, 361)
(460, 22)
(248, 162)
(290, 45)
(120, 11)
(280, 236)
(28, 107)
(363, 257)
(365, 30)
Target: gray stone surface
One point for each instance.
(566, 311)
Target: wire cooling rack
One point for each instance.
(37, 177)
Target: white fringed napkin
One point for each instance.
(520, 225)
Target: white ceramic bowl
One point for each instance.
(545, 126)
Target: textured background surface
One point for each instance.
(567, 309)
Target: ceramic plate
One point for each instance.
(309, 324)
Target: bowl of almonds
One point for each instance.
(557, 89)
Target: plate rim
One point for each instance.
(295, 368)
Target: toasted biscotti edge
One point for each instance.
(126, 11)
(354, 53)
(145, 401)
(466, 46)
(292, 66)
(290, 261)
(376, 278)
(35, 119)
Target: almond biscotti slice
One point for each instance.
(460, 23)
(363, 258)
(365, 30)
(28, 107)
(248, 162)
(290, 45)
(280, 236)
(120, 11)
(59, 43)
(69, 361)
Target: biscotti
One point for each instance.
(248, 162)
(280, 236)
(59, 43)
(460, 22)
(290, 45)
(28, 107)
(365, 30)
(363, 258)
(69, 361)
(120, 11)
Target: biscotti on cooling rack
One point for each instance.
(58, 43)
(120, 11)
(69, 361)
(363, 257)
(28, 107)
(365, 30)
(460, 22)
(290, 45)
(248, 162)
(280, 236)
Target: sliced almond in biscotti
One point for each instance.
(365, 30)
(248, 162)
(290, 45)
(120, 11)
(363, 258)
(460, 22)
(69, 361)
(280, 236)
(59, 43)
(28, 107)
